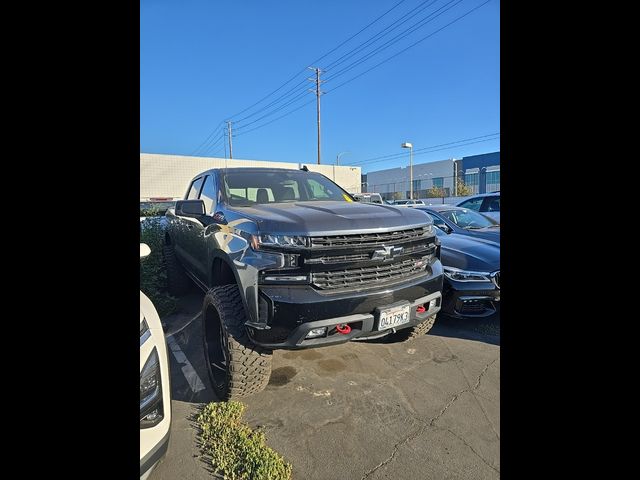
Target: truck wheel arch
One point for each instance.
(221, 273)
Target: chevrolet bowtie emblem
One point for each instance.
(386, 253)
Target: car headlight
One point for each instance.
(466, 275)
(151, 408)
(269, 240)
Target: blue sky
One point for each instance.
(202, 62)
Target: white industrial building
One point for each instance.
(168, 176)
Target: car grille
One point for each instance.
(495, 278)
(368, 239)
(369, 277)
(474, 307)
(417, 249)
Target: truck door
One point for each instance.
(196, 233)
(183, 227)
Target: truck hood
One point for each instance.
(330, 217)
(468, 253)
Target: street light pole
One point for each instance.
(339, 155)
(410, 147)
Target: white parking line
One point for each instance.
(184, 326)
(187, 369)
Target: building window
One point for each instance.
(438, 182)
(471, 180)
(493, 181)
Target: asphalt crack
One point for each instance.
(473, 450)
(484, 412)
(396, 447)
(431, 424)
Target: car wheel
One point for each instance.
(407, 334)
(177, 281)
(237, 367)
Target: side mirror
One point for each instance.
(144, 250)
(190, 208)
(444, 227)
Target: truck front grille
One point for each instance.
(421, 248)
(368, 239)
(368, 277)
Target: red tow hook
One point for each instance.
(420, 309)
(343, 329)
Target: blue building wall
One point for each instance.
(482, 163)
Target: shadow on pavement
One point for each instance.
(485, 329)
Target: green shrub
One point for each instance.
(235, 450)
(153, 274)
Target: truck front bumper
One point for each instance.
(293, 311)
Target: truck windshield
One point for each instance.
(247, 188)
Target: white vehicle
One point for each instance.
(408, 203)
(368, 197)
(487, 204)
(155, 389)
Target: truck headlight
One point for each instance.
(269, 240)
(151, 408)
(466, 275)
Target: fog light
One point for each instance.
(433, 303)
(316, 332)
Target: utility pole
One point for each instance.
(230, 139)
(318, 92)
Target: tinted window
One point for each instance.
(491, 204)
(195, 189)
(246, 188)
(437, 221)
(472, 203)
(208, 194)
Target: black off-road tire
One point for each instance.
(177, 281)
(416, 331)
(246, 367)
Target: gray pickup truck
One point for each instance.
(288, 260)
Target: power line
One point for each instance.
(300, 72)
(208, 137)
(300, 93)
(375, 66)
(318, 59)
(275, 119)
(216, 142)
(402, 154)
(435, 150)
(405, 33)
(410, 46)
(377, 36)
(292, 90)
(293, 100)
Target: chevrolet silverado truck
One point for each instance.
(289, 260)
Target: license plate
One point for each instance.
(393, 316)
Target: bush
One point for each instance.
(235, 450)
(153, 274)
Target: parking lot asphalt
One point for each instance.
(426, 409)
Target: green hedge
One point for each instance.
(153, 273)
